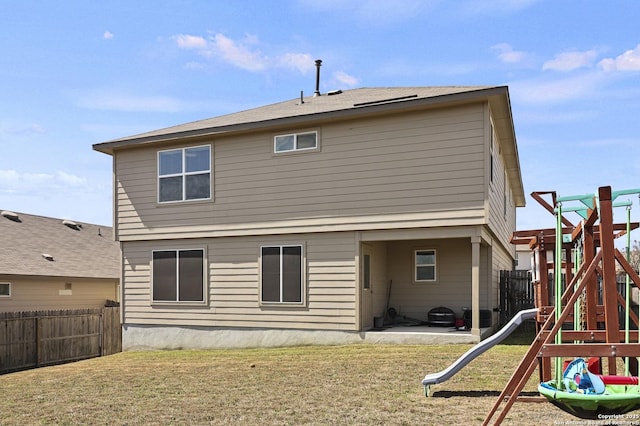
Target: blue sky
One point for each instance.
(75, 73)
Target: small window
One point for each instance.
(5, 289)
(282, 274)
(295, 142)
(178, 276)
(366, 273)
(425, 266)
(184, 174)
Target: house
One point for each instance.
(524, 257)
(53, 264)
(302, 221)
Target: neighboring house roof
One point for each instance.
(76, 249)
(343, 105)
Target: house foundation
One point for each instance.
(146, 337)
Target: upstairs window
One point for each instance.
(425, 266)
(178, 276)
(184, 174)
(295, 142)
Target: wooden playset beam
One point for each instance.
(597, 234)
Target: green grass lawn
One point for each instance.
(358, 384)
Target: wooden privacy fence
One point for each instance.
(39, 338)
(516, 293)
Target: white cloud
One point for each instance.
(568, 61)
(508, 55)
(300, 61)
(69, 179)
(53, 194)
(29, 183)
(36, 128)
(8, 176)
(344, 79)
(244, 54)
(108, 35)
(238, 54)
(556, 90)
(628, 61)
(186, 41)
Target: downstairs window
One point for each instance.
(282, 277)
(425, 266)
(178, 276)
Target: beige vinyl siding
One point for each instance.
(452, 288)
(501, 252)
(488, 299)
(428, 162)
(501, 224)
(234, 284)
(48, 293)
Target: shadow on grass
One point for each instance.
(474, 394)
(523, 335)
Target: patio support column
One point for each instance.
(475, 286)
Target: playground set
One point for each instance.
(583, 316)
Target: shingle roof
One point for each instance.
(86, 250)
(354, 101)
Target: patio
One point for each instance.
(422, 335)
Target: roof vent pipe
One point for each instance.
(318, 65)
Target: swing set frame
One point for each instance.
(593, 281)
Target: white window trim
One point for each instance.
(303, 276)
(205, 281)
(184, 174)
(6, 296)
(295, 135)
(415, 266)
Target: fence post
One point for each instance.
(38, 340)
(101, 331)
(503, 297)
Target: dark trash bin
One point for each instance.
(485, 318)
